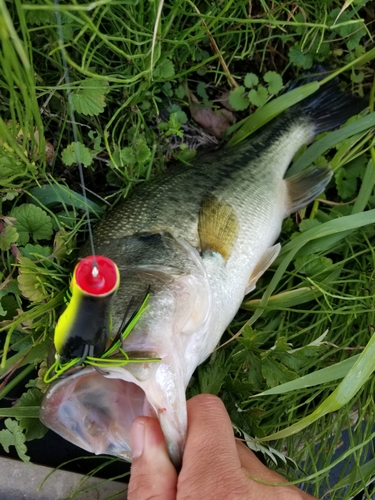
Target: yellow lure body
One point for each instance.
(85, 325)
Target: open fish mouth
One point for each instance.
(94, 407)
(95, 410)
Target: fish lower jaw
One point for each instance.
(95, 412)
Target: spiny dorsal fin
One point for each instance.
(217, 227)
(303, 188)
(269, 256)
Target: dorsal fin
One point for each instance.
(217, 226)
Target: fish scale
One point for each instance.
(177, 195)
(199, 238)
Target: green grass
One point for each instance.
(295, 367)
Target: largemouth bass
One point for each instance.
(198, 238)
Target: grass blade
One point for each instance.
(330, 140)
(358, 375)
(270, 110)
(323, 376)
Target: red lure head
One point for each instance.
(97, 275)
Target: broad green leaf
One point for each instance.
(142, 151)
(352, 32)
(7, 237)
(211, 375)
(89, 98)
(357, 77)
(167, 89)
(251, 80)
(347, 3)
(3, 312)
(127, 155)
(139, 153)
(10, 195)
(356, 168)
(20, 341)
(29, 285)
(6, 438)
(275, 372)
(237, 99)
(180, 116)
(346, 187)
(300, 58)
(312, 264)
(33, 427)
(77, 153)
(34, 252)
(29, 280)
(10, 305)
(11, 168)
(180, 92)
(97, 139)
(201, 91)
(39, 17)
(275, 82)
(164, 70)
(258, 97)
(13, 436)
(60, 246)
(31, 220)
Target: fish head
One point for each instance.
(93, 411)
(94, 408)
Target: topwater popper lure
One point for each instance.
(84, 327)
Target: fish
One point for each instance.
(197, 238)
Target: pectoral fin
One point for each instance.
(217, 227)
(303, 188)
(262, 266)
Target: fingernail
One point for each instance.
(137, 438)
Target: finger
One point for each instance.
(254, 466)
(255, 469)
(152, 473)
(210, 462)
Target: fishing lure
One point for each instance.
(84, 327)
(75, 345)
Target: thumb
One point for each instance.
(152, 473)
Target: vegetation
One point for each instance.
(295, 366)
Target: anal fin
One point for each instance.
(217, 227)
(304, 187)
(262, 266)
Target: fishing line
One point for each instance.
(84, 328)
(95, 270)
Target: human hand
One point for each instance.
(214, 467)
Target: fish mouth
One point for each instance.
(94, 410)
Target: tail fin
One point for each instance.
(329, 107)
